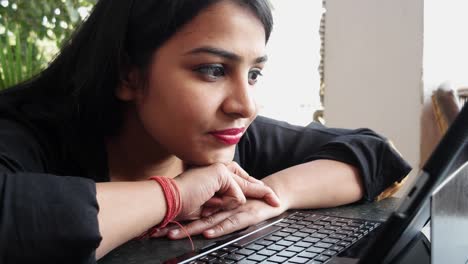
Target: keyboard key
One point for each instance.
(350, 239)
(289, 221)
(313, 217)
(257, 257)
(315, 249)
(326, 231)
(284, 243)
(235, 257)
(318, 235)
(246, 261)
(337, 236)
(277, 259)
(308, 230)
(286, 254)
(295, 249)
(297, 226)
(273, 238)
(266, 252)
(323, 245)
(330, 240)
(309, 255)
(303, 244)
(322, 258)
(292, 238)
(311, 240)
(276, 247)
(281, 234)
(329, 253)
(343, 243)
(296, 217)
(281, 224)
(336, 248)
(298, 260)
(245, 252)
(289, 230)
(317, 227)
(300, 234)
(264, 242)
(254, 247)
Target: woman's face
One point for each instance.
(199, 100)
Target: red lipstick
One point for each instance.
(229, 136)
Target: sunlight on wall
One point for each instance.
(289, 89)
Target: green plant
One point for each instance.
(18, 61)
(32, 31)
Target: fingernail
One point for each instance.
(174, 232)
(210, 232)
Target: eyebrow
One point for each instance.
(224, 54)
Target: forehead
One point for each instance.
(226, 25)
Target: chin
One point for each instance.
(207, 159)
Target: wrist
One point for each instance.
(277, 187)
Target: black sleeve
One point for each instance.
(44, 218)
(269, 146)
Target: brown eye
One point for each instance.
(212, 72)
(253, 76)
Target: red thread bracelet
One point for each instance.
(174, 206)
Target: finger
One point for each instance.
(214, 201)
(200, 225)
(230, 192)
(232, 223)
(238, 170)
(258, 191)
(161, 232)
(207, 211)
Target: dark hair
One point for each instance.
(117, 35)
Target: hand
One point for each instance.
(198, 186)
(225, 222)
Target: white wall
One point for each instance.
(445, 43)
(373, 69)
(289, 89)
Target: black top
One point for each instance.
(48, 168)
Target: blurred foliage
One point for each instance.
(31, 32)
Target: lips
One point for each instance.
(229, 136)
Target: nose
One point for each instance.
(240, 102)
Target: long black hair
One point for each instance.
(118, 35)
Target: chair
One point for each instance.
(437, 115)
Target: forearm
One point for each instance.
(126, 210)
(319, 183)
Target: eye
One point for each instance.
(211, 71)
(253, 76)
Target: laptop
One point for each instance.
(305, 236)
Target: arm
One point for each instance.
(307, 167)
(52, 219)
(271, 146)
(296, 190)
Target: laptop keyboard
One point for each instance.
(299, 238)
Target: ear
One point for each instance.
(127, 89)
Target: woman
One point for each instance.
(164, 87)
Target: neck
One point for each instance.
(134, 155)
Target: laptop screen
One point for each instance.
(414, 212)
